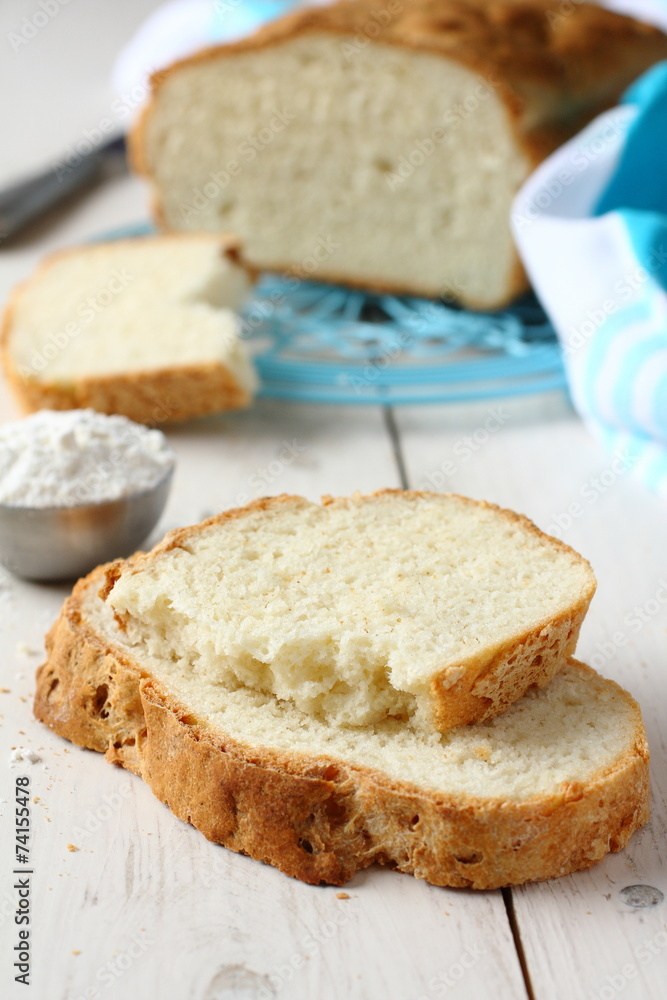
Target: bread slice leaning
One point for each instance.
(418, 606)
(143, 327)
(545, 789)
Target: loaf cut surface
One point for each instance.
(144, 327)
(547, 788)
(422, 607)
(381, 144)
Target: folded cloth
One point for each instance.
(591, 227)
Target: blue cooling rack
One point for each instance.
(328, 344)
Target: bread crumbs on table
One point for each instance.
(342, 895)
(72, 847)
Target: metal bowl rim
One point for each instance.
(96, 505)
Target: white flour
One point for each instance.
(23, 755)
(61, 458)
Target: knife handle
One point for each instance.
(24, 201)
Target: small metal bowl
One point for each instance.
(61, 543)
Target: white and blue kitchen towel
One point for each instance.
(591, 226)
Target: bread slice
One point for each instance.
(381, 144)
(418, 606)
(545, 789)
(143, 327)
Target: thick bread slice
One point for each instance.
(421, 606)
(380, 144)
(144, 327)
(546, 789)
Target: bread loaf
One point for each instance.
(380, 144)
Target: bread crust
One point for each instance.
(553, 71)
(316, 818)
(166, 395)
(487, 687)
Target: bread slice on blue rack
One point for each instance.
(144, 327)
(547, 788)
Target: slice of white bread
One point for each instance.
(381, 144)
(143, 327)
(545, 789)
(421, 606)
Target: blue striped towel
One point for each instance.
(591, 226)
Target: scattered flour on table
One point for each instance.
(25, 649)
(61, 458)
(24, 755)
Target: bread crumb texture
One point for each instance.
(361, 610)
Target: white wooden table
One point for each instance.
(146, 906)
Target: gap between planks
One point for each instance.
(508, 899)
(396, 446)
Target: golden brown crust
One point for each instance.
(487, 687)
(166, 395)
(550, 68)
(553, 70)
(315, 818)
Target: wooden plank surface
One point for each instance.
(146, 905)
(581, 937)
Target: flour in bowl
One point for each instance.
(62, 458)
